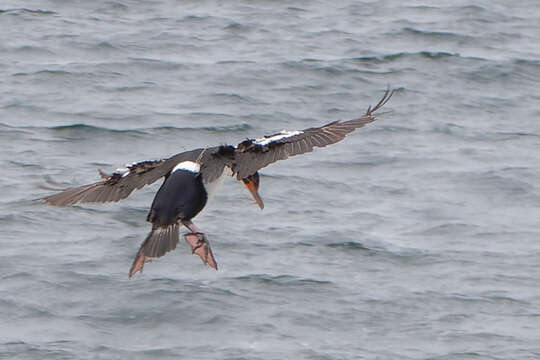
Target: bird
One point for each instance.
(191, 178)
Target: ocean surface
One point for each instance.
(416, 237)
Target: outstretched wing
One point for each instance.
(122, 182)
(254, 154)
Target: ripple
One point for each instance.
(33, 50)
(349, 245)
(83, 129)
(432, 55)
(281, 280)
(18, 11)
(157, 64)
(437, 35)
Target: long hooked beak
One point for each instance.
(252, 183)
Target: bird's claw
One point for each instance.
(200, 246)
(201, 240)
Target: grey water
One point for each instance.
(414, 238)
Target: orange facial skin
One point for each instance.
(252, 184)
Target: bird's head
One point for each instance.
(252, 183)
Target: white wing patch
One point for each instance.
(122, 171)
(283, 134)
(189, 166)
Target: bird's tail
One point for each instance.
(160, 241)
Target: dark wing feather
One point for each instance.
(118, 186)
(252, 155)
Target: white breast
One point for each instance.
(213, 187)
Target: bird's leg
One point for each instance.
(199, 244)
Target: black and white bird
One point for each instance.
(191, 176)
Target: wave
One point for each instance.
(366, 64)
(237, 27)
(157, 63)
(438, 35)
(105, 45)
(235, 62)
(349, 245)
(400, 255)
(281, 280)
(527, 62)
(33, 50)
(16, 11)
(85, 128)
(432, 55)
(44, 72)
(219, 129)
(12, 130)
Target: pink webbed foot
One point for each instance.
(138, 264)
(200, 246)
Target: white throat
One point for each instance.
(188, 166)
(213, 187)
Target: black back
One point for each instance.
(181, 197)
